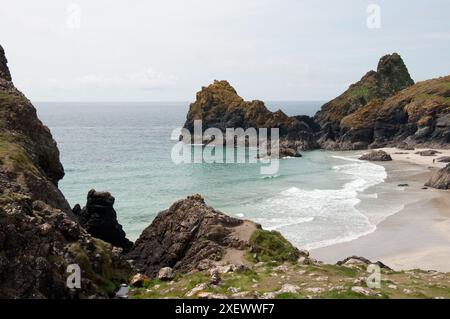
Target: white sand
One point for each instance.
(412, 157)
(416, 237)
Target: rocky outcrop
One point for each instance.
(376, 156)
(29, 155)
(360, 261)
(440, 179)
(219, 106)
(384, 108)
(418, 116)
(39, 235)
(186, 235)
(4, 70)
(337, 132)
(99, 218)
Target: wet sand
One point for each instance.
(418, 236)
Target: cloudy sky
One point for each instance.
(165, 50)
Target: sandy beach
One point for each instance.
(418, 236)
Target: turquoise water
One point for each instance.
(125, 148)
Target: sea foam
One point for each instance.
(322, 217)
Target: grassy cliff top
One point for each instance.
(421, 102)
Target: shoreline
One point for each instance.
(416, 236)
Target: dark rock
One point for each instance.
(444, 159)
(39, 235)
(4, 70)
(376, 156)
(184, 236)
(219, 106)
(440, 179)
(391, 77)
(403, 185)
(99, 218)
(428, 153)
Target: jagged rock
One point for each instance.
(376, 156)
(185, 235)
(99, 218)
(219, 106)
(138, 280)
(440, 179)
(39, 235)
(391, 77)
(356, 260)
(4, 70)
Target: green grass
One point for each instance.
(271, 246)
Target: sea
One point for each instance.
(125, 148)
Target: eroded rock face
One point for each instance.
(39, 235)
(4, 71)
(440, 179)
(30, 157)
(185, 235)
(38, 243)
(391, 77)
(99, 218)
(219, 106)
(376, 156)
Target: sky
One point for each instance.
(166, 50)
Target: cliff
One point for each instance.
(39, 235)
(418, 116)
(391, 77)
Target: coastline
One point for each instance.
(416, 236)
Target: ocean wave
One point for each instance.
(322, 217)
(270, 176)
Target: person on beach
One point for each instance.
(434, 160)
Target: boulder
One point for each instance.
(138, 280)
(356, 260)
(440, 179)
(186, 235)
(166, 273)
(376, 156)
(99, 218)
